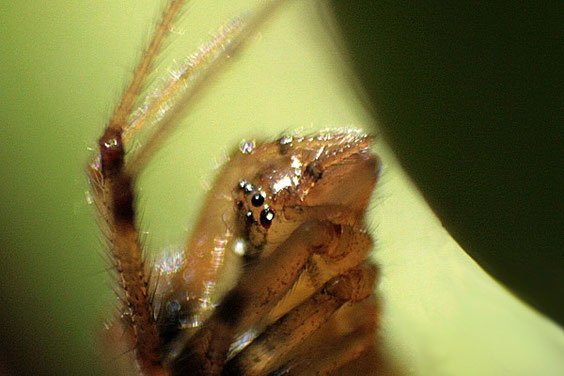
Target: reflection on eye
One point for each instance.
(266, 217)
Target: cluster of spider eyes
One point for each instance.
(257, 200)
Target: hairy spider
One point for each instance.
(275, 278)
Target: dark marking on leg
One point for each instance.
(112, 153)
(123, 200)
(231, 308)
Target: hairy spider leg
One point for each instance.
(270, 350)
(112, 178)
(114, 195)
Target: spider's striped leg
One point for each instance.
(270, 350)
(345, 345)
(126, 249)
(113, 190)
(320, 250)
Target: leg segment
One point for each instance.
(319, 250)
(270, 349)
(343, 346)
(117, 190)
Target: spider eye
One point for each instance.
(266, 217)
(257, 200)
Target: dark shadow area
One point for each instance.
(468, 96)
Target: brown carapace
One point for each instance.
(275, 278)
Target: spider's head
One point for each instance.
(325, 177)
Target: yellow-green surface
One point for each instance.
(63, 67)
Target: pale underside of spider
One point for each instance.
(275, 277)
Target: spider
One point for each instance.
(275, 278)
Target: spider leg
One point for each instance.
(321, 250)
(194, 76)
(354, 245)
(269, 351)
(345, 345)
(126, 251)
(112, 176)
(113, 189)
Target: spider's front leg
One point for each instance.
(274, 349)
(323, 253)
(115, 196)
(112, 181)
(345, 345)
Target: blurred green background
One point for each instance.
(64, 65)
